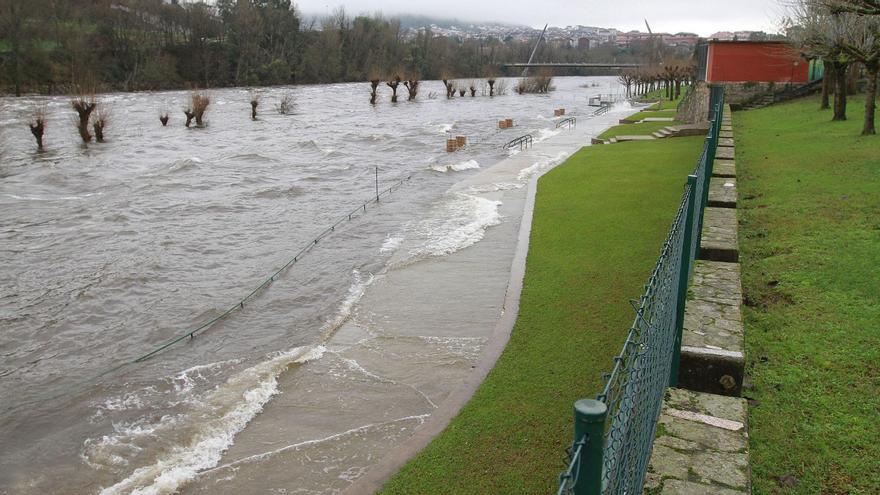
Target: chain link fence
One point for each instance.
(614, 434)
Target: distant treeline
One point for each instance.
(53, 46)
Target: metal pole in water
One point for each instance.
(377, 184)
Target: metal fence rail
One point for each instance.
(614, 434)
(522, 141)
(571, 122)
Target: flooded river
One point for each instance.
(111, 250)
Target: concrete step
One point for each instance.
(659, 135)
(689, 129)
(725, 142)
(722, 192)
(659, 119)
(719, 240)
(637, 137)
(701, 446)
(725, 152)
(712, 342)
(724, 168)
(667, 131)
(726, 128)
(726, 134)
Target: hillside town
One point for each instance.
(580, 37)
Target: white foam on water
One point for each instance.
(224, 412)
(444, 128)
(546, 134)
(494, 187)
(541, 166)
(296, 446)
(462, 223)
(355, 293)
(390, 244)
(456, 167)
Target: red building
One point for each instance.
(755, 61)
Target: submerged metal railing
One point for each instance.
(571, 122)
(614, 434)
(522, 141)
(601, 111)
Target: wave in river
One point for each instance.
(456, 167)
(462, 223)
(214, 420)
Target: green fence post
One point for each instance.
(589, 420)
(687, 257)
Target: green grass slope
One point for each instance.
(810, 253)
(600, 220)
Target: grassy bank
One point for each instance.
(810, 254)
(645, 114)
(664, 103)
(600, 219)
(643, 129)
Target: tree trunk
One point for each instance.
(826, 86)
(870, 100)
(839, 92)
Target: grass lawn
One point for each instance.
(644, 128)
(664, 103)
(810, 253)
(600, 220)
(652, 113)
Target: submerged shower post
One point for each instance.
(377, 184)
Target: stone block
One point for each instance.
(724, 168)
(725, 142)
(718, 240)
(712, 347)
(701, 446)
(725, 134)
(722, 192)
(725, 152)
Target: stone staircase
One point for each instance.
(767, 99)
(701, 444)
(666, 132)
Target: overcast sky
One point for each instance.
(703, 17)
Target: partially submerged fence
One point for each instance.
(614, 434)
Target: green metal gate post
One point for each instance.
(687, 258)
(589, 421)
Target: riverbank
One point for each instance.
(417, 340)
(600, 219)
(187, 222)
(810, 254)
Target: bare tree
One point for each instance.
(491, 82)
(163, 115)
(412, 86)
(84, 104)
(99, 122)
(863, 45)
(37, 124)
(200, 101)
(285, 103)
(473, 88)
(825, 35)
(255, 102)
(374, 85)
(393, 83)
(626, 77)
(861, 7)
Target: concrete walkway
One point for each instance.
(517, 204)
